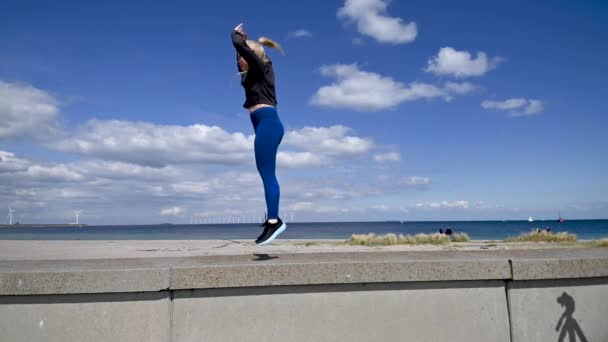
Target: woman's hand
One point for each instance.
(239, 29)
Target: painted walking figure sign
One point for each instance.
(570, 325)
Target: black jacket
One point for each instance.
(259, 79)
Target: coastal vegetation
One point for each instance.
(600, 243)
(372, 239)
(543, 236)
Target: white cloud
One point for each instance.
(443, 205)
(372, 20)
(138, 149)
(330, 190)
(26, 111)
(55, 172)
(10, 163)
(330, 141)
(161, 145)
(11, 166)
(300, 206)
(173, 211)
(515, 106)
(311, 207)
(533, 107)
(70, 193)
(299, 159)
(95, 177)
(192, 187)
(322, 145)
(122, 170)
(460, 63)
(226, 184)
(121, 193)
(459, 88)
(157, 145)
(387, 157)
(301, 33)
(505, 105)
(367, 91)
(415, 181)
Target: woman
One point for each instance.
(257, 77)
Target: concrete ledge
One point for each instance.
(559, 268)
(84, 276)
(202, 276)
(154, 274)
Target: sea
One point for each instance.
(477, 230)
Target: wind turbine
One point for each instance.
(10, 215)
(77, 212)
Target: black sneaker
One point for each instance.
(274, 229)
(265, 225)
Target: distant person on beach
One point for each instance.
(440, 231)
(257, 77)
(448, 232)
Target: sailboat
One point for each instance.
(530, 219)
(560, 219)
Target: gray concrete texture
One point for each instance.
(84, 276)
(86, 317)
(559, 310)
(22, 277)
(559, 268)
(452, 311)
(268, 274)
(371, 296)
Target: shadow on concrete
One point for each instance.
(570, 325)
(329, 288)
(263, 257)
(85, 298)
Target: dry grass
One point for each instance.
(308, 243)
(600, 243)
(543, 236)
(461, 237)
(372, 239)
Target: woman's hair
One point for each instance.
(258, 49)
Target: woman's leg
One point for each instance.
(268, 136)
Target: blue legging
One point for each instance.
(268, 135)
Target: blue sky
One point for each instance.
(415, 110)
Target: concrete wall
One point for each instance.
(537, 308)
(415, 296)
(454, 311)
(141, 317)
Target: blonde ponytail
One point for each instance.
(271, 43)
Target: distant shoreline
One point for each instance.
(487, 230)
(41, 225)
(301, 222)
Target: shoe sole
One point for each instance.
(274, 236)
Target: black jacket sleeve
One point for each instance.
(255, 63)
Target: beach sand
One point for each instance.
(110, 249)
